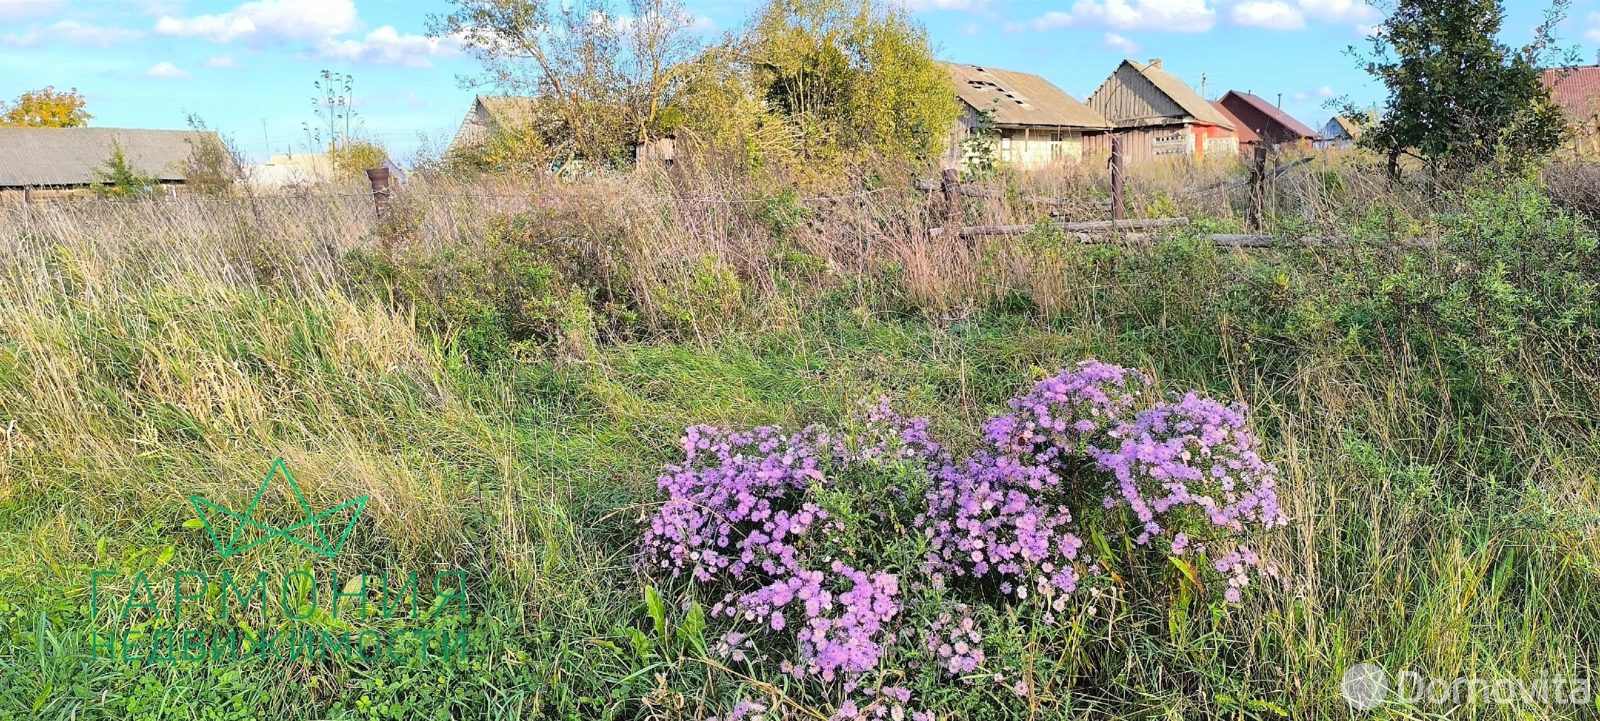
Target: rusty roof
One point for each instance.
(1273, 113)
(54, 157)
(1246, 135)
(1576, 90)
(1019, 98)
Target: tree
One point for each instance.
(1458, 97)
(45, 108)
(119, 180)
(609, 79)
(854, 78)
(335, 108)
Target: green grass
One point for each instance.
(1433, 412)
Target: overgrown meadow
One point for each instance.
(703, 449)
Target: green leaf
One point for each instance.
(692, 631)
(658, 610)
(194, 523)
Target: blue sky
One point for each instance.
(247, 67)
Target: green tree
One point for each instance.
(45, 108)
(853, 78)
(607, 77)
(119, 180)
(1457, 96)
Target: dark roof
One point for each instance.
(1576, 90)
(1246, 135)
(1019, 98)
(1273, 113)
(1180, 93)
(44, 157)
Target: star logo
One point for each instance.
(247, 532)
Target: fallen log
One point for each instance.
(1091, 225)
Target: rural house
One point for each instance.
(1339, 132)
(41, 163)
(1037, 123)
(1259, 122)
(1158, 116)
(491, 114)
(1577, 91)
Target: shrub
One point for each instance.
(752, 518)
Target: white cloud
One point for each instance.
(219, 61)
(72, 32)
(1121, 44)
(703, 24)
(386, 46)
(1269, 14)
(18, 10)
(1323, 92)
(165, 69)
(1177, 16)
(1339, 11)
(1593, 33)
(297, 19)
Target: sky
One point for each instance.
(247, 68)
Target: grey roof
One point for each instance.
(1182, 94)
(44, 157)
(1019, 98)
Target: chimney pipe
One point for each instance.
(1280, 101)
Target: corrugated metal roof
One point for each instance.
(1182, 94)
(1272, 112)
(1019, 98)
(43, 157)
(1576, 90)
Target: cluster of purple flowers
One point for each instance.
(1003, 514)
(888, 702)
(999, 515)
(956, 642)
(1193, 462)
(742, 513)
(739, 512)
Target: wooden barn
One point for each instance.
(1158, 117)
(45, 163)
(491, 114)
(1339, 132)
(1038, 123)
(1258, 122)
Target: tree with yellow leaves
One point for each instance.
(45, 108)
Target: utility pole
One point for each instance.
(1203, 95)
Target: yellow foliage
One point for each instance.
(45, 108)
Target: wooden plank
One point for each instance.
(1086, 226)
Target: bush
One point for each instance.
(800, 543)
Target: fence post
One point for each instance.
(379, 178)
(951, 180)
(1258, 179)
(1117, 211)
